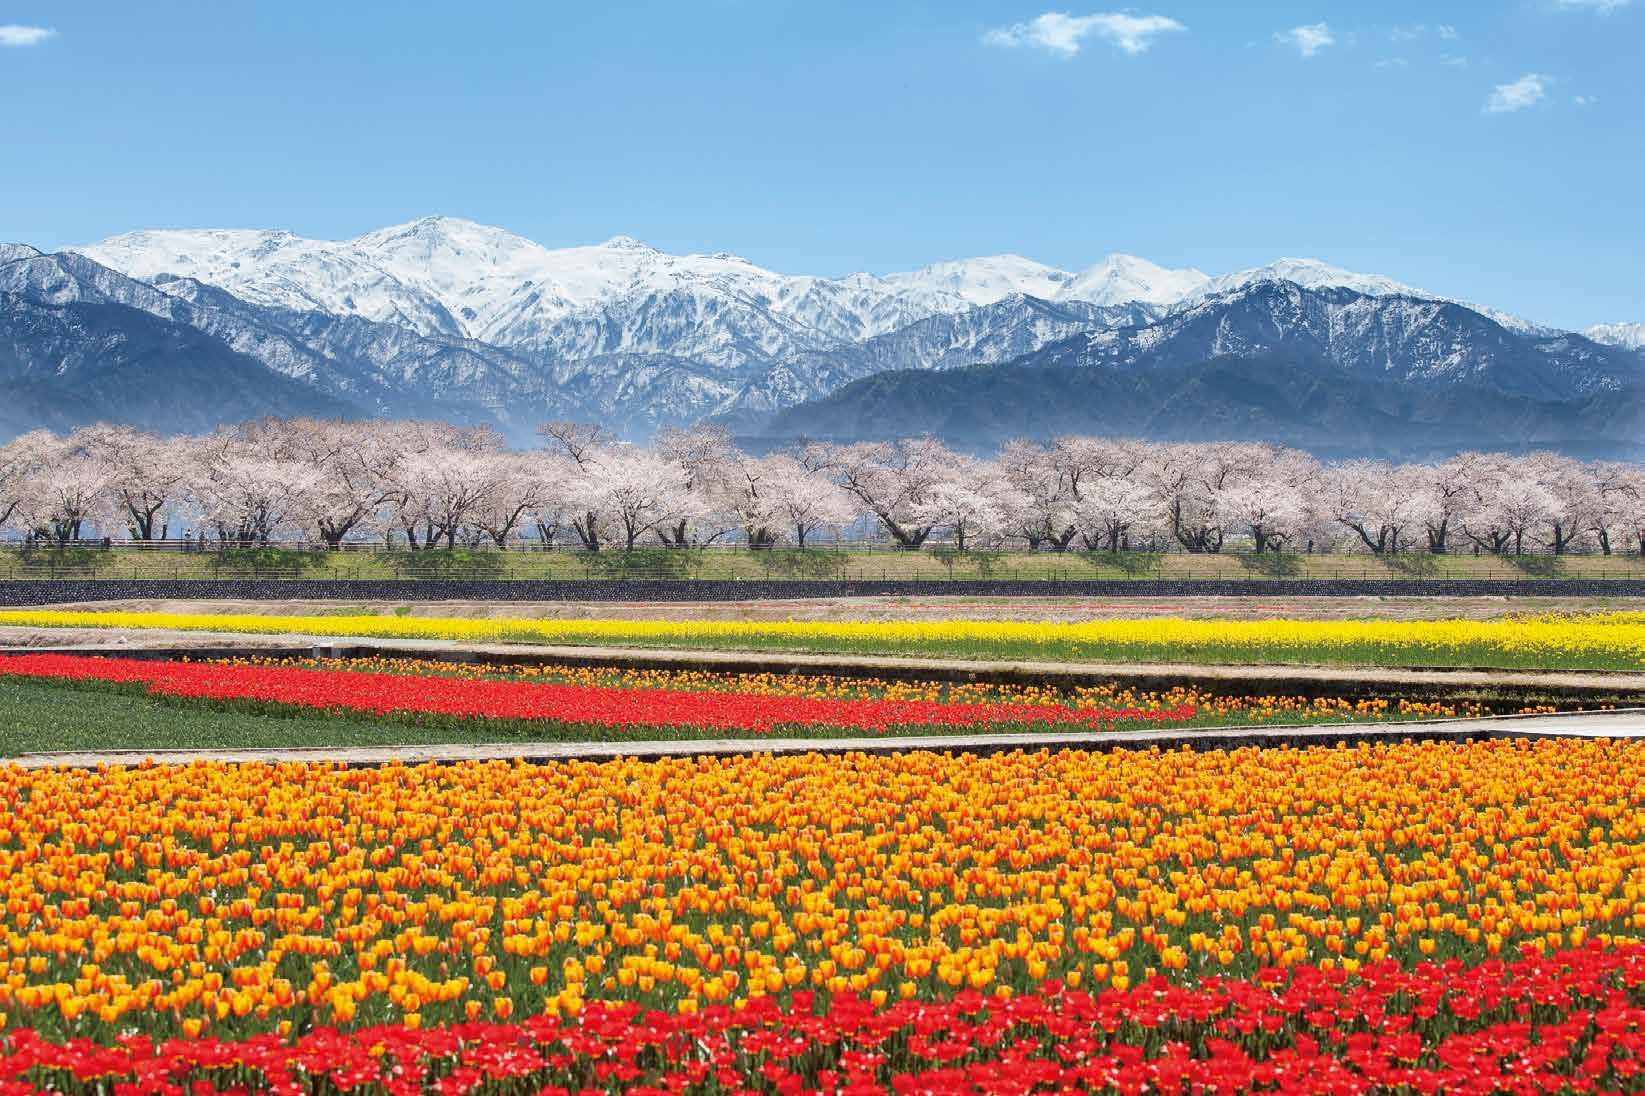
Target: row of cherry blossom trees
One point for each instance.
(422, 485)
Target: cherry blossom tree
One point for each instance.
(1187, 482)
(345, 483)
(1092, 477)
(1446, 491)
(1110, 508)
(1507, 506)
(1619, 490)
(1266, 494)
(66, 488)
(444, 489)
(247, 493)
(1044, 513)
(434, 477)
(893, 479)
(724, 482)
(634, 492)
(965, 512)
(146, 475)
(1573, 497)
(1628, 499)
(582, 444)
(1379, 503)
(521, 484)
(803, 500)
(18, 460)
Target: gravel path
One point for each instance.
(1622, 725)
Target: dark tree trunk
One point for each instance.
(1436, 538)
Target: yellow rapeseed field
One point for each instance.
(1615, 641)
(244, 898)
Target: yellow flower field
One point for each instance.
(233, 899)
(1603, 641)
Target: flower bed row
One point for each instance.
(610, 707)
(1209, 706)
(231, 900)
(1570, 1021)
(1598, 641)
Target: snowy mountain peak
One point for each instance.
(628, 243)
(1119, 279)
(1315, 274)
(10, 253)
(1629, 336)
(983, 280)
(432, 240)
(451, 277)
(1310, 274)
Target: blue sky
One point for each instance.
(1489, 151)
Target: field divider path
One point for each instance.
(1626, 725)
(1620, 688)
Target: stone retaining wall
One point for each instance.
(57, 591)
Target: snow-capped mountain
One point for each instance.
(1326, 368)
(1414, 339)
(980, 281)
(1313, 274)
(446, 276)
(1629, 336)
(1309, 274)
(1126, 279)
(987, 334)
(451, 277)
(451, 318)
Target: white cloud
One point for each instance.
(1604, 7)
(1407, 34)
(1448, 32)
(1309, 39)
(1455, 60)
(1584, 100)
(1392, 63)
(11, 34)
(1528, 90)
(1062, 34)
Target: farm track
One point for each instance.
(1618, 725)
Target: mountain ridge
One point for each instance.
(1406, 359)
(445, 317)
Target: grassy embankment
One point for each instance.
(933, 565)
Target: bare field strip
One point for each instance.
(1051, 609)
(1628, 725)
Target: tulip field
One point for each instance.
(1600, 641)
(1398, 916)
(313, 700)
(1409, 916)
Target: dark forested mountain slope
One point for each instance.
(1309, 403)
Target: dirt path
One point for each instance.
(1627, 726)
